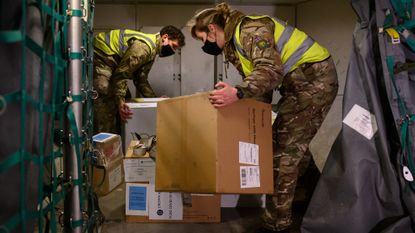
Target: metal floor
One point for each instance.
(233, 220)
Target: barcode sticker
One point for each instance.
(250, 177)
(248, 153)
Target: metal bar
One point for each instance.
(72, 206)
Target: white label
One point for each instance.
(114, 177)
(248, 153)
(165, 205)
(139, 170)
(362, 121)
(250, 177)
(136, 196)
(142, 105)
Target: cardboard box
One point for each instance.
(108, 145)
(143, 204)
(104, 181)
(138, 168)
(201, 149)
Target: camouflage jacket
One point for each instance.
(135, 64)
(257, 39)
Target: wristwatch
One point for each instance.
(239, 93)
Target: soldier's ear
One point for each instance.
(164, 36)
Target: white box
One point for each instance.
(139, 169)
(142, 200)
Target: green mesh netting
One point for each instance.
(54, 62)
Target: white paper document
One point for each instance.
(250, 177)
(114, 177)
(248, 153)
(362, 121)
(139, 170)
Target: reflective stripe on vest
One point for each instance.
(116, 41)
(294, 46)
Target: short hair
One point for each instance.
(174, 34)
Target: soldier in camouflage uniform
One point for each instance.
(270, 54)
(120, 55)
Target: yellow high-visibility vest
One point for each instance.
(294, 46)
(116, 41)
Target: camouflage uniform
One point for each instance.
(110, 80)
(307, 94)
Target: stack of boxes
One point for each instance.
(202, 152)
(144, 204)
(108, 172)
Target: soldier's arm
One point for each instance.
(136, 55)
(142, 84)
(257, 39)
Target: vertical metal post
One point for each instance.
(72, 201)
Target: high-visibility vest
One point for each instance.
(294, 46)
(116, 41)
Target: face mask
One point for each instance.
(211, 48)
(166, 51)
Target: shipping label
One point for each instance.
(250, 177)
(248, 153)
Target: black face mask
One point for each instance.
(211, 48)
(166, 51)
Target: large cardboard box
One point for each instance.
(201, 149)
(143, 204)
(108, 177)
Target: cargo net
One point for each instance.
(37, 116)
(399, 26)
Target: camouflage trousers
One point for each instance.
(307, 95)
(106, 117)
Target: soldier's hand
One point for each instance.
(224, 94)
(125, 111)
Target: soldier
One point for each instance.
(270, 54)
(126, 54)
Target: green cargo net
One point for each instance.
(55, 20)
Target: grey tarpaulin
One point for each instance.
(362, 188)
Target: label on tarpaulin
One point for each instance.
(250, 177)
(248, 153)
(362, 121)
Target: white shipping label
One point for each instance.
(250, 177)
(362, 121)
(114, 177)
(136, 196)
(165, 205)
(139, 170)
(248, 153)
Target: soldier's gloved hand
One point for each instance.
(224, 94)
(125, 111)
